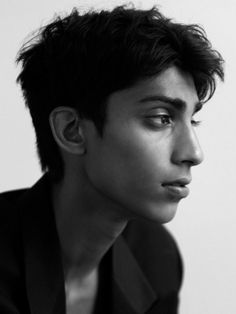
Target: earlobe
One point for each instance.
(67, 130)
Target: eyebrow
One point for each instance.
(175, 102)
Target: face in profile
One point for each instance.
(143, 160)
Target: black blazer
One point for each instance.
(146, 268)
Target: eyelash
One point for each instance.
(195, 123)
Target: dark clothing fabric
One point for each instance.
(141, 273)
(105, 286)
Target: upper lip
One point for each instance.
(178, 182)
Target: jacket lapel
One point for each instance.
(132, 292)
(43, 268)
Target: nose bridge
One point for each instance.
(187, 147)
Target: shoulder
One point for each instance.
(9, 229)
(11, 197)
(9, 213)
(11, 263)
(157, 252)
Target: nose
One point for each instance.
(187, 148)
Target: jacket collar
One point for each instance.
(130, 287)
(132, 292)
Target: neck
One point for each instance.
(88, 224)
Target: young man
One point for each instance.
(112, 97)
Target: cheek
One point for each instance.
(141, 157)
(128, 164)
(129, 170)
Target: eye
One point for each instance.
(160, 120)
(195, 122)
(195, 119)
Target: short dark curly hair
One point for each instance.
(80, 59)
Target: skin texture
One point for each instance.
(120, 176)
(145, 144)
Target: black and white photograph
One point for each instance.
(117, 160)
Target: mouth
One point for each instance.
(178, 188)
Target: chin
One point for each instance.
(161, 213)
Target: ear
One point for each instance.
(67, 130)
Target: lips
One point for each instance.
(177, 188)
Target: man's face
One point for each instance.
(144, 158)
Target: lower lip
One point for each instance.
(177, 191)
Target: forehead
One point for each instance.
(172, 83)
